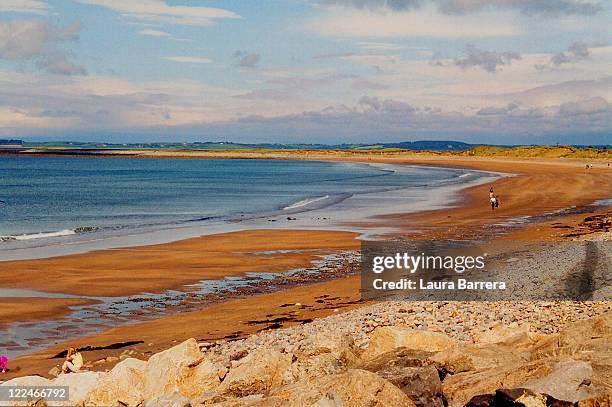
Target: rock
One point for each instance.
(522, 397)
(179, 369)
(321, 355)
(597, 401)
(172, 400)
(460, 388)
(387, 338)
(329, 400)
(570, 380)
(353, 388)
(54, 371)
(123, 384)
(517, 337)
(79, 385)
(421, 384)
(325, 343)
(400, 357)
(26, 381)
(511, 397)
(256, 373)
(465, 358)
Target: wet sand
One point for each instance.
(156, 268)
(35, 309)
(540, 186)
(224, 321)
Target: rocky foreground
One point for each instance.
(388, 354)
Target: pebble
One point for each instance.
(460, 320)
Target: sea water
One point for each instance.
(50, 200)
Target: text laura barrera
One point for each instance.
(423, 284)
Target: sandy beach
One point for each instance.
(538, 189)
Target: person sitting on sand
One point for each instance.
(3, 363)
(73, 362)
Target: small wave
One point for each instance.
(467, 174)
(42, 235)
(305, 202)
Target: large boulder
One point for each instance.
(182, 369)
(124, 384)
(421, 384)
(23, 382)
(79, 385)
(385, 339)
(352, 388)
(256, 373)
(462, 387)
(570, 380)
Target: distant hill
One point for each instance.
(431, 145)
(219, 145)
(422, 145)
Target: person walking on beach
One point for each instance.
(493, 199)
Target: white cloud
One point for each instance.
(190, 60)
(154, 33)
(24, 6)
(38, 41)
(426, 22)
(160, 11)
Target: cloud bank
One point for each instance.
(38, 41)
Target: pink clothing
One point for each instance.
(3, 362)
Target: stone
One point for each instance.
(37, 381)
(256, 373)
(315, 366)
(570, 380)
(597, 401)
(123, 384)
(465, 358)
(460, 388)
(522, 397)
(517, 337)
(385, 339)
(399, 357)
(79, 385)
(181, 369)
(171, 400)
(54, 371)
(421, 384)
(352, 388)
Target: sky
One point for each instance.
(310, 71)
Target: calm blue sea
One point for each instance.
(53, 196)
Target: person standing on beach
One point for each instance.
(3, 363)
(493, 201)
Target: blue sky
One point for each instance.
(331, 71)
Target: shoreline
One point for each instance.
(472, 217)
(336, 215)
